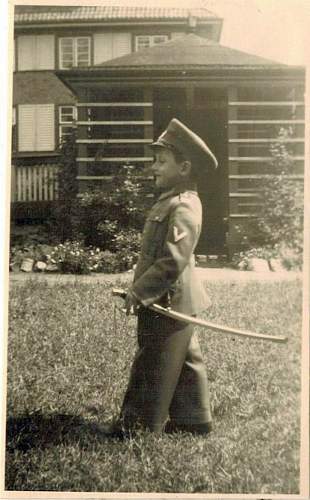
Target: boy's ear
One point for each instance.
(186, 168)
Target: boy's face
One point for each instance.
(168, 173)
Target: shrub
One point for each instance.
(27, 235)
(278, 227)
(123, 253)
(116, 262)
(242, 260)
(66, 208)
(108, 218)
(73, 257)
(126, 240)
(104, 213)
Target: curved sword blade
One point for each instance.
(206, 324)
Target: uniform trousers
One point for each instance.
(168, 377)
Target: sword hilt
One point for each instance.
(119, 292)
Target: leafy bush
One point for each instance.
(104, 213)
(278, 227)
(66, 208)
(108, 218)
(126, 240)
(290, 256)
(73, 257)
(116, 262)
(25, 235)
(242, 260)
(126, 246)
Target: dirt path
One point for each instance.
(208, 274)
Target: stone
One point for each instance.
(40, 266)
(276, 265)
(51, 267)
(258, 265)
(27, 265)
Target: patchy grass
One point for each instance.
(69, 357)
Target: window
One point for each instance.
(67, 117)
(146, 41)
(74, 52)
(36, 52)
(36, 127)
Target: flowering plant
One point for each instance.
(73, 257)
(242, 260)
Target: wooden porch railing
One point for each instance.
(34, 183)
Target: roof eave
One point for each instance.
(116, 22)
(189, 68)
(70, 77)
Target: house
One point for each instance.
(120, 74)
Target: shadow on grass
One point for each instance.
(39, 431)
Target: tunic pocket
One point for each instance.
(155, 234)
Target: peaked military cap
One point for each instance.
(180, 138)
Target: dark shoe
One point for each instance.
(204, 428)
(114, 431)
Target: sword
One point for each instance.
(170, 313)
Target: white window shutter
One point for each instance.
(26, 52)
(45, 52)
(45, 127)
(103, 47)
(36, 127)
(121, 44)
(26, 127)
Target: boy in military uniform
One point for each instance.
(168, 386)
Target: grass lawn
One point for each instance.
(69, 357)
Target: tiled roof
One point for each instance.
(186, 51)
(105, 13)
(40, 87)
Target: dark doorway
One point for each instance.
(168, 103)
(204, 110)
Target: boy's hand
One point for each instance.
(131, 303)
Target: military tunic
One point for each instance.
(168, 377)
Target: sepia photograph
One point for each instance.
(156, 336)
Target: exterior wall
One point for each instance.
(255, 117)
(116, 121)
(114, 128)
(38, 97)
(40, 51)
